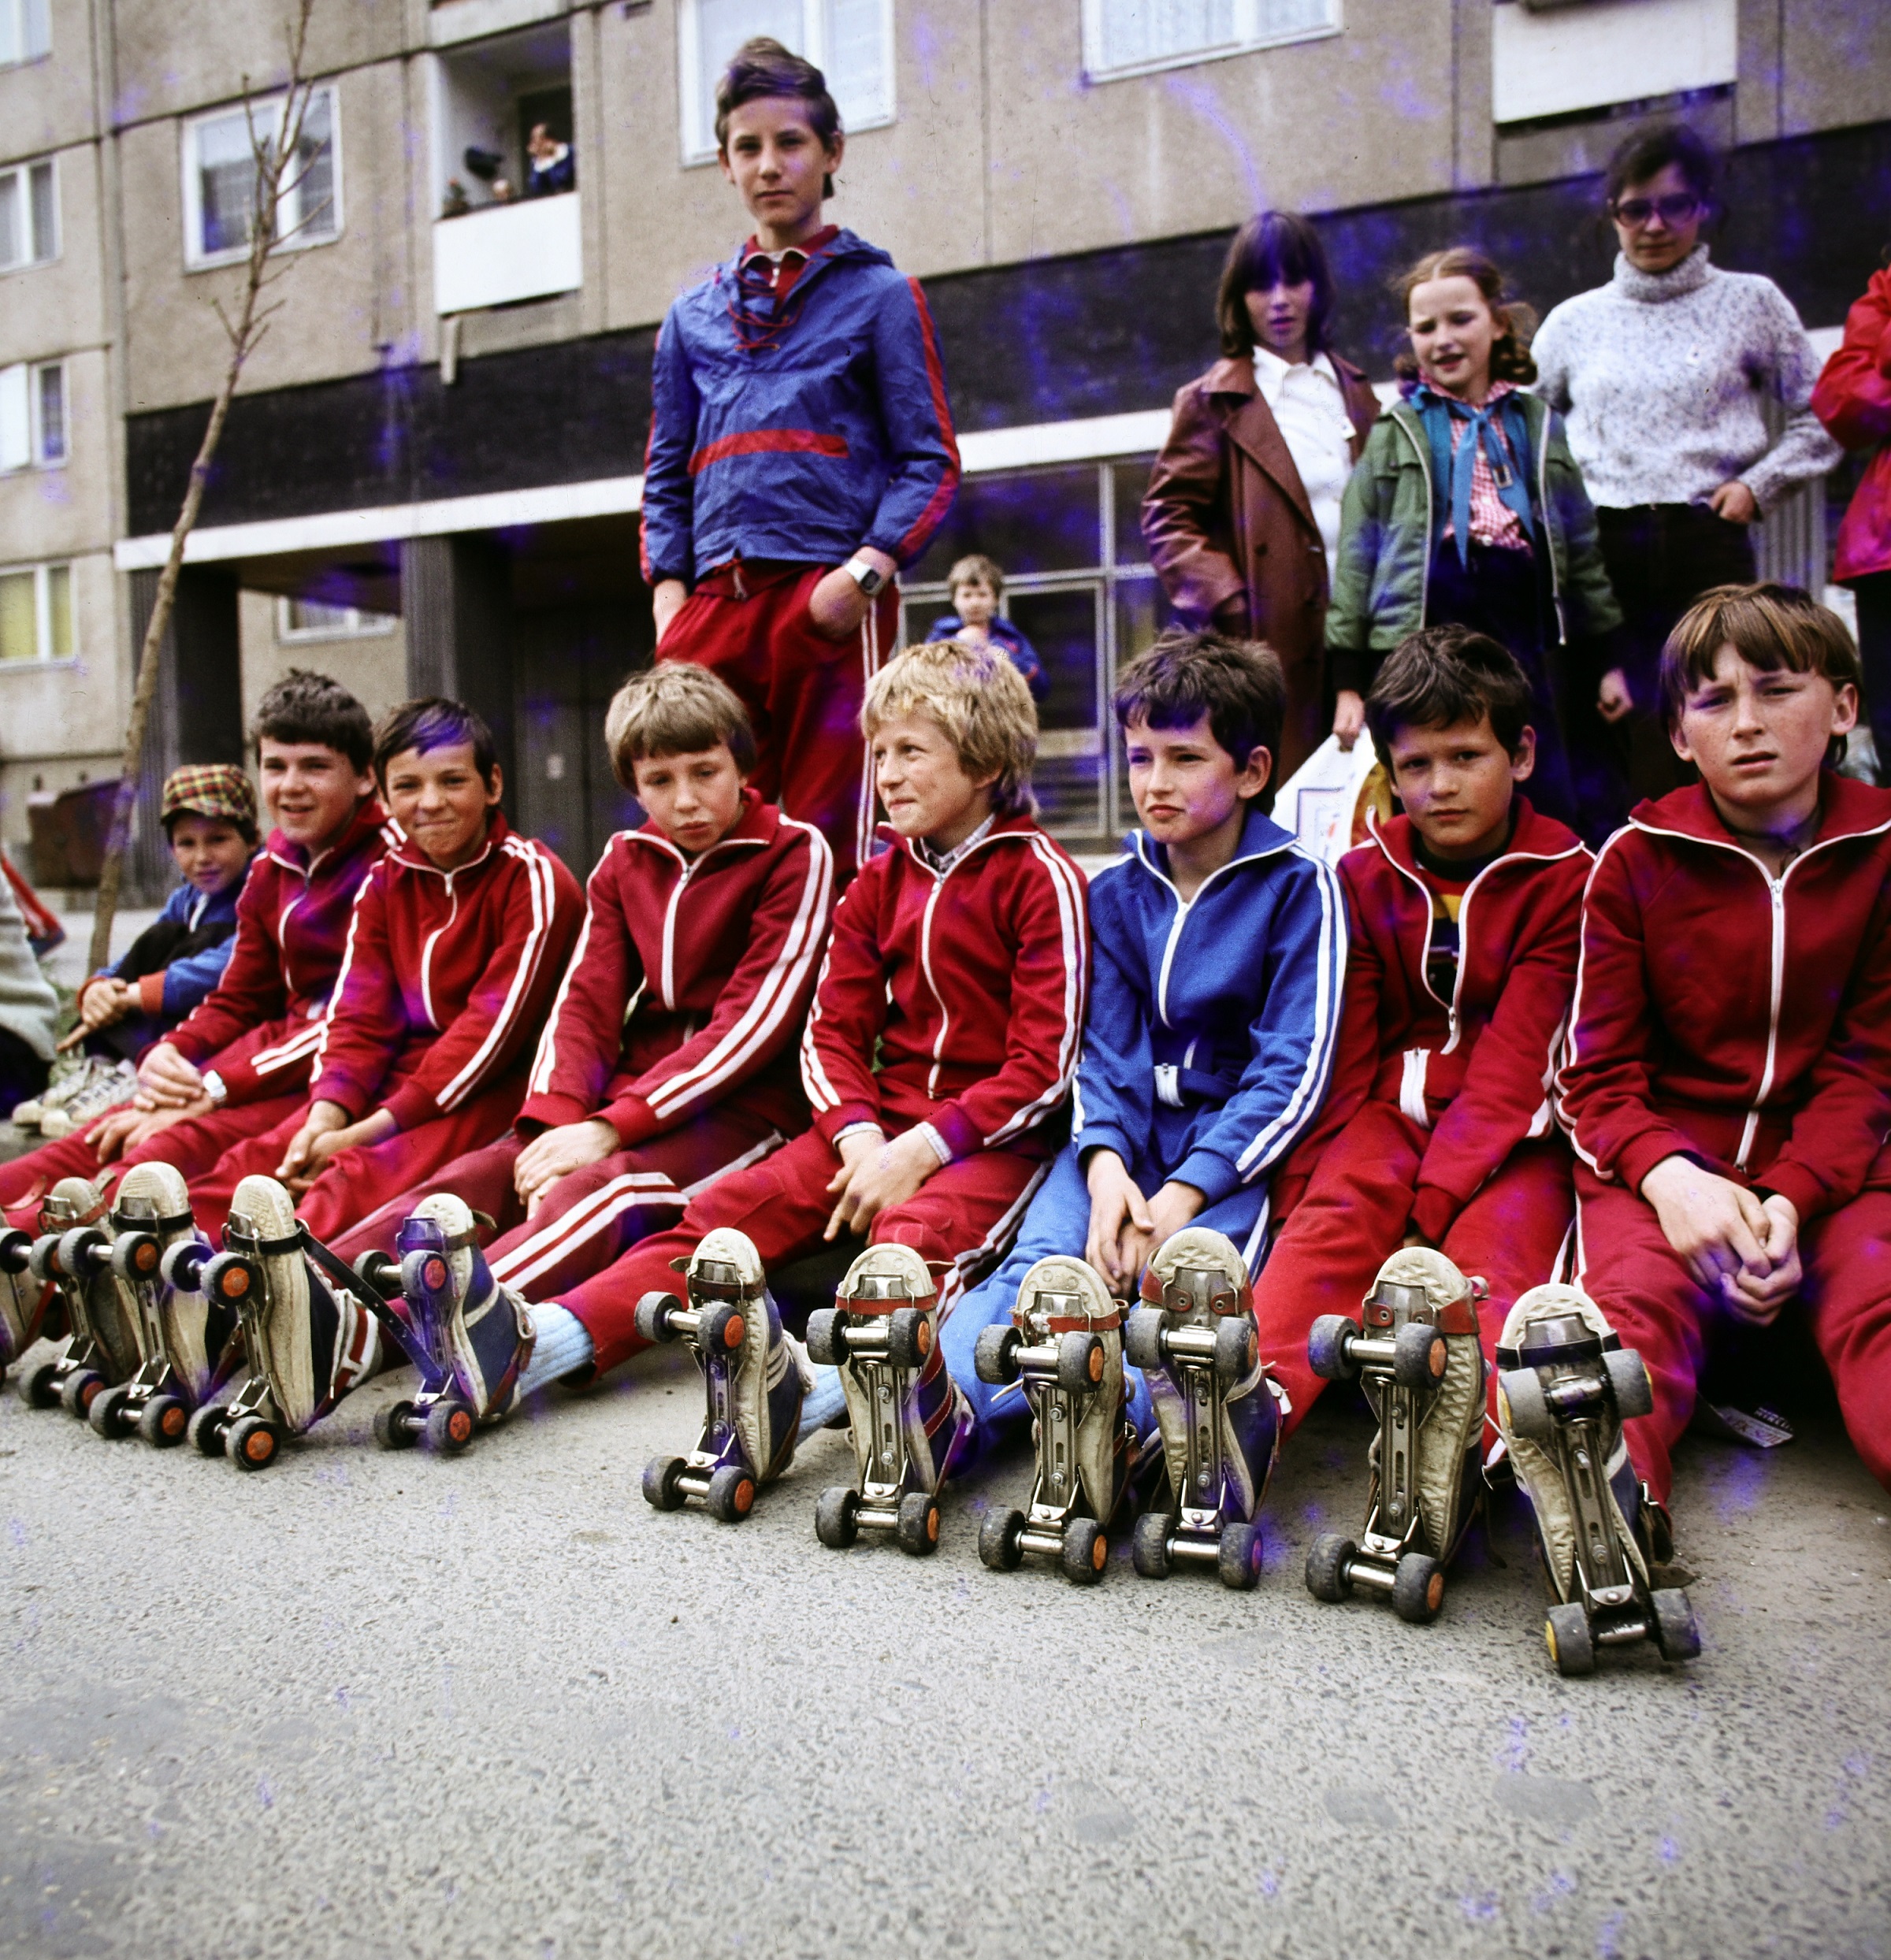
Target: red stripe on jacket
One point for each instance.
(940, 502)
(767, 442)
(720, 955)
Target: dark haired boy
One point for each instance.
(1728, 1078)
(1220, 949)
(239, 1062)
(801, 452)
(459, 936)
(1462, 928)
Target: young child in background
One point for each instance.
(978, 590)
(1727, 1081)
(1466, 507)
(1461, 936)
(801, 452)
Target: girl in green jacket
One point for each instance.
(1466, 506)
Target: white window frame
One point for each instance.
(25, 15)
(42, 610)
(36, 410)
(22, 380)
(699, 144)
(23, 172)
(296, 238)
(354, 624)
(1247, 39)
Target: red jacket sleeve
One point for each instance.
(1853, 395)
(367, 1024)
(1505, 1096)
(849, 1012)
(1049, 982)
(760, 1009)
(251, 990)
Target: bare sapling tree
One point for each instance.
(280, 166)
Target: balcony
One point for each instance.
(504, 252)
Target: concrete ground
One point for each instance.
(366, 1704)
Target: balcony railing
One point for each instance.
(508, 252)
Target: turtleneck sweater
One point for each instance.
(1663, 380)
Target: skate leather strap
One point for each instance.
(238, 1241)
(122, 1222)
(1081, 1323)
(1459, 1317)
(392, 1323)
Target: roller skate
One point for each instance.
(308, 1341)
(904, 1415)
(1064, 1343)
(1197, 1344)
(1416, 1347)
(752, 1382)
(74, 1254)
(189, 1339)
(24, 1300)
(1565, 1386)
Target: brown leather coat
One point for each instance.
(1227, 516)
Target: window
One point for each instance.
(29, 232)
(25, 33)
(220, 179)
(850, 41)
(36, 614)
(1128, 37)
(1568, 59)
(32, 414)
(313, 619)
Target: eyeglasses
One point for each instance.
(1676, 208)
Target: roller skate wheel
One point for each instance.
(723, 1330)
(228, 1277)
(837, 1516)
(1524, 1405)
(208, 1430)
(1566, 1630)
(162, 1421)
(662, 1491)
(433, 1275)
(449, 1426)
(653, 1313)
(1086, 1549)
(1238, 1559)
(994, 1359)
(1328, 1347)
(77, 1390)
(39, 1387)
(1080, 1363)
(1629, 1380)
(395, 1428)
(918, 1530)
(1420, 1356)
(908, 1337)
(1418, 1589)
(1235, 1341)
(731, 1493)
(1677, 1633)
(1328, 1564)
(999, 1550)
(252, 1443)
(105, 1411)
(1149, 1545)
(136, 1256)
(827, 1338)
(1142, 1337)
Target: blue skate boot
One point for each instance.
(1565, 1386)
(73, 1253)
(907, 1419)
(1065, 1344)
(750, 1377)
(1195, 1340)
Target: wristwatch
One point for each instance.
(214, 1089)
(864, 576)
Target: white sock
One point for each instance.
(563, 1347)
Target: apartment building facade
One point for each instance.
(433, 475)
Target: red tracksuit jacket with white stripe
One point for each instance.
(291, 929)
(1476, 1070)
(447, 977)
(970, 984)
(719, 954)
(1740, 1020)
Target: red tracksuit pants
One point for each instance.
(962, 1218)
(1639, 1281)
(803, 692)
(1352, 1216)
(588, 1220)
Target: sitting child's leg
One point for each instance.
(482, 1179)
(1847, 1294)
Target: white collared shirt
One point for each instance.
(1309, 406)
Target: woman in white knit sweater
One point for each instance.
(1662, 377)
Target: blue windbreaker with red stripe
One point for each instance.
(803, 437)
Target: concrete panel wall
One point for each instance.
(50, 309)
(47, 104)
(57, 513)
(372, 667)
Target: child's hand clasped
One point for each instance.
(1735, 1244)
(875, 1174)
(556, 1154)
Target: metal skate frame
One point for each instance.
(70, 1257)
(885, 1381)
(138, 1258)
(719, 1447)
(17, 1335)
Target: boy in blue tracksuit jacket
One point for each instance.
(801, 450)
(1220, 949)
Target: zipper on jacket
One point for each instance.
(1776, 891)
(1549, 544)
(427, 955)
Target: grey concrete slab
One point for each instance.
(370, 1704)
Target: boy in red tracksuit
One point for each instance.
(801, 452)
(240, 1063)
(1727, 1081)
(459, 935)
(1462, 923)
(669, 1057)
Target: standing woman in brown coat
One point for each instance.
(1242, 517)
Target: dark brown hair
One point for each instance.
(762, 68)
(1276, 246)
(1648, 152)
(1237, 684)
(1510, 356)
(303, 707)
(431, 722)
(1440, 676)
(1770, 627)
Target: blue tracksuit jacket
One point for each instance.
(798, 430)
(188, 977)
(1212, 1025)
(1023, 655)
